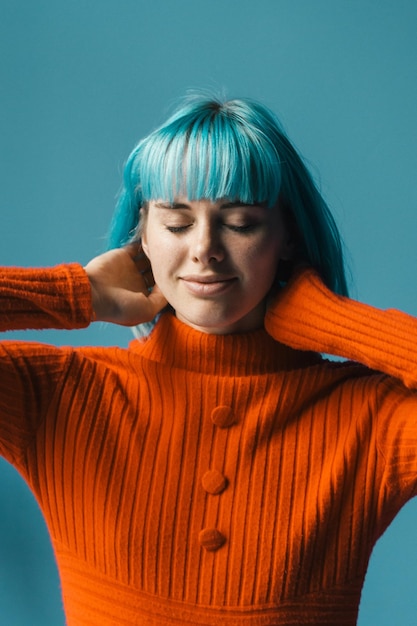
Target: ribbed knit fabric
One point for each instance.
(310, 317)
(203, 479)
(45, 289)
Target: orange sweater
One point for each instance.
(203, 479)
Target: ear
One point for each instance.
(143, 237)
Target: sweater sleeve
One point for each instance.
(29, 372)
(306, 315)
(58, 297)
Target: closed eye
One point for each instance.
(177, 229)
(236, 228)
(244, 228)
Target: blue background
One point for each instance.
(81, 81)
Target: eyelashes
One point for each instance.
(176, 229)
(236, 228)
(245, 228)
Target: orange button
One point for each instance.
(223, 416)
(214, 482)
(211, 539)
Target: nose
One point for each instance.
(207, 246)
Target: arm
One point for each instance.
(308, 316)
(30, 374)
(59, 297)
(113, 287)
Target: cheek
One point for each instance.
(162, 254)
(263, 257)
(151, 241)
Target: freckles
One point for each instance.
(266, 247)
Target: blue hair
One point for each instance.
(236, 150)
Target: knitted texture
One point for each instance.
(310, 317)
(60, 298)
(204, 479)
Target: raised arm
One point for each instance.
(113, 287)
(59, 297)
(308, 316)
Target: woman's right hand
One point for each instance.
(120, 283)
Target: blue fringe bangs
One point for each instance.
(208, 152)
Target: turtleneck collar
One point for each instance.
(175, 344)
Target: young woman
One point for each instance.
(219, 471)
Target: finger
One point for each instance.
(148, 277)
(139, 309)
(157, 298)
(142, 262)
(135, 251)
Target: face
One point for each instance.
(215, 262)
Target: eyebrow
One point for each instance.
(225, 205)
(171, 205)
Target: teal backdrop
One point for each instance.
(82, 80)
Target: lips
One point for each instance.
(210, 285)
